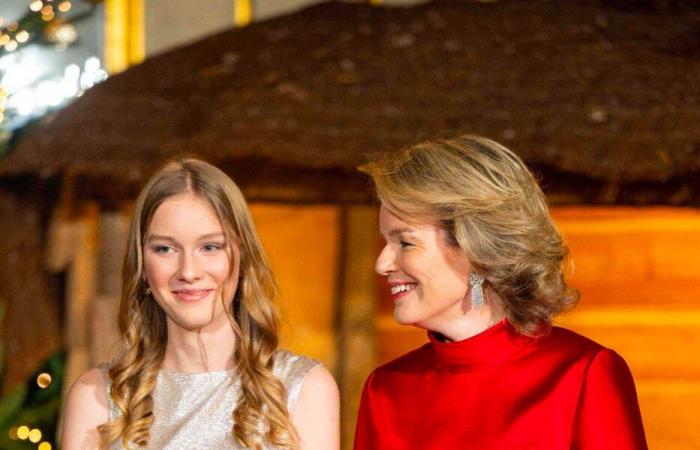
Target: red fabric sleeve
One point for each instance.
(608, 415)
(365, 432)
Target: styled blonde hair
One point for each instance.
(253, 317)
(492, 208)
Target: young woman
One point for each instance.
(200, 368)
(473, 257)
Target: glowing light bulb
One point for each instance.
(35, 435)
(48, 9)
(48, 17)
(23, 432)
(43, 380)
(36, 5)
(22, 36)
(11, 46)
(44, 446)
(64, 6)
(13, 430)
(92, 64)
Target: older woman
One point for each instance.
(473, 257)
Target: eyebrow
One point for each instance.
(158, 237)
(403, 230)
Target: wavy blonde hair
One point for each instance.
(492, 208)
(252, 314)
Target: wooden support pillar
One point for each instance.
(104, 309)
(72, 248)
(358, 354)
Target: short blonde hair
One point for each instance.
(492, 208)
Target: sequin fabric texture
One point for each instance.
(193, 410)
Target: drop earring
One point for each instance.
(477, 294)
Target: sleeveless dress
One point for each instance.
(193, 411)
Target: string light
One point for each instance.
(13, 433)
(11, 46)
(35, 435)
(36, 5)
(22, 36)
(44, 446)
(43, 380)
(64, 6)
(23, 432)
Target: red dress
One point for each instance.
(500, 390)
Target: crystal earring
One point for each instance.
(477, 294)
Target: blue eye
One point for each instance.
(162, 249)
(212, 247)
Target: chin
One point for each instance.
(403, 317)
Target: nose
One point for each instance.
(385, 262)
(190, 267)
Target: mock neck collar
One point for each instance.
(490, 347)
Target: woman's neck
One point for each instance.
(207, 349)
(468, 321)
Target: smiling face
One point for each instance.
(188, 261)
(427, 276)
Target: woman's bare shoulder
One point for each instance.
(316, 414)
(85, 408)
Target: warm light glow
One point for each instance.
(23, 432)
(11, 46)
(43, 380)
(4, 39)
(46, 10)
(22, 36)
(36, 5)
(44, 446)
(64, 7)
(243, 12)
(35, 435)
(13, 26)
(47, 17)
(13, 430)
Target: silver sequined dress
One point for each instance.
(193, 410)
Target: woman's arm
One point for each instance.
(317, 410)
(84, 409)
(608, 415)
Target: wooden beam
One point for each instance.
(356, 311)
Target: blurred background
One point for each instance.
(601, 98)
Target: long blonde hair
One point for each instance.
(492, 208)
(253, 315)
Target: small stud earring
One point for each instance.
(477, 294)
(148, 290)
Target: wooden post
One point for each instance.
(72, 247)
(356, 312)
(104, 309)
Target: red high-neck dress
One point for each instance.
(500, 390)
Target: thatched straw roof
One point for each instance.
(604, 102)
